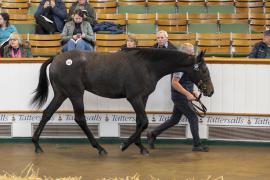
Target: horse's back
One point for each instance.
(104, 74)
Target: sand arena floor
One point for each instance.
(166, 162)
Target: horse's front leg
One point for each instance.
(47, 114)
(141, 124)
(78, 107)
(138, 143)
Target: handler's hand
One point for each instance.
(191, 97)
(196, 94)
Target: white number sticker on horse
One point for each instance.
(68, 62)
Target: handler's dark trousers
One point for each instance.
(182, 107)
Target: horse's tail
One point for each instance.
(42, 90)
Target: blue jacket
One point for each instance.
(109, 26)
(59, 13)
(5, 33)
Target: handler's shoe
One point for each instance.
(151, 140)
(201, 148)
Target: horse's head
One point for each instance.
(201, 77)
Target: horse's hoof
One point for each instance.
(123, 146)
(102, 152)
(145, 152)
(39, 150)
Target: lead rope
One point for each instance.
(200, 111)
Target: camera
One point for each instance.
(79, 35)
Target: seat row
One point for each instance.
(227, 44)
(151, 6)
(172, 23)
(190, 23)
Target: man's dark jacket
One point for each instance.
(170, 46)
(259, 50)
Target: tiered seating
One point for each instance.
(141, 23)
(113, 42)
(243, 43)
(249, 6)
(132, 6)
(202, 23)
(104, 6)
(109, 42)
(213, 25)
(15, 6)
(259, 22)
(172, 23)
(224, 6)
(218, 44)
(115, 18)
(236, 23)
(161, 6)
(44, 45)
(178, 39)
(192, 6)
(267, 6)
(68, 3)
(226, 44)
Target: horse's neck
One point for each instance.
(168, 64)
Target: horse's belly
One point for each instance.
(108, 93)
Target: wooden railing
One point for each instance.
(209, 60)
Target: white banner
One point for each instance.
(90, 117)
(219, 120)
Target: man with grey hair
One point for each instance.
(162, 41)
(181, 95)
(262, 49)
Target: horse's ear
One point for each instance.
(201, 55)
(204, 52)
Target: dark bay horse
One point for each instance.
(131, 74)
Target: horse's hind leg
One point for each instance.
(47, 114)
(141, 124)
(78, 107)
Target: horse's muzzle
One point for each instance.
(208, 93)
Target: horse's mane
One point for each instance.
(155, 54)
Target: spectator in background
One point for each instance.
(131, 42)
(262, 49)
(77, 34)
(181, 93)
(50, 16)
(88, 10)
(5, 30)
(162, 41)
(15, 48)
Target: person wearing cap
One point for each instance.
(181, 94)
(262, 48)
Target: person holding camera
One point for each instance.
(77, 34)
(50, 16)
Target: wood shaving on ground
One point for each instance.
(28, 173)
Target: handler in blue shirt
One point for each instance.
(181, 94)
